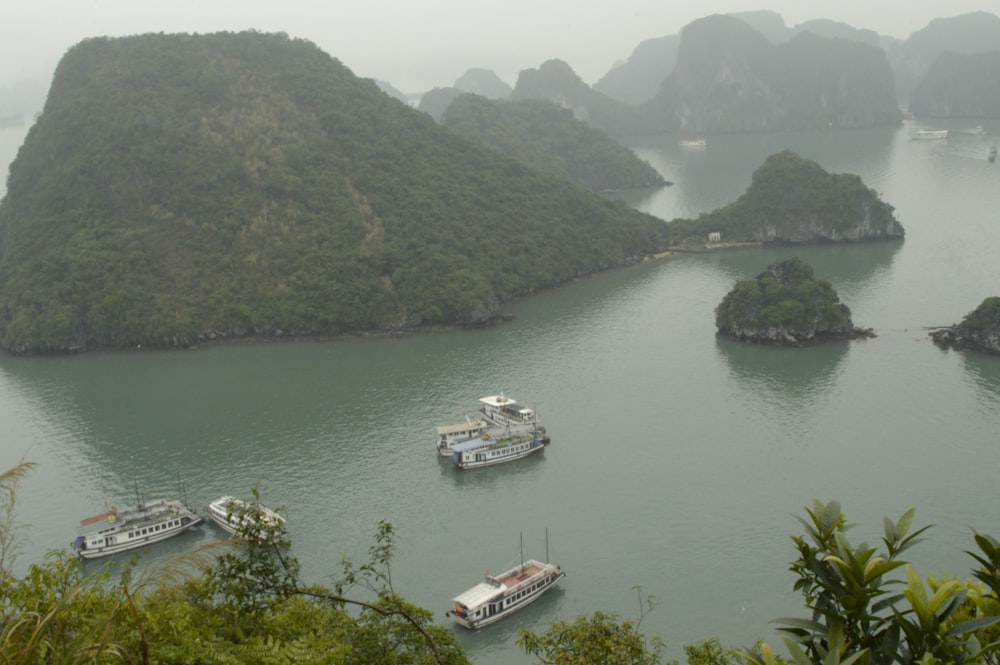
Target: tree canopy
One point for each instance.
(550, 139)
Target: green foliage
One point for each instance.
(600, 638)
(784, 297)
(550, 139)
(260, 570)
(985, 319)
(856, 616)
(187, 187)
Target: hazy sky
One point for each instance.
(420, 44)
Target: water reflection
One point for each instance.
(718, 174)
(983, 371)
(790, 379)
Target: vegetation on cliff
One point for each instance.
(794, 200)
(785, 304)
(978, 331)
(178, 187)
(548, 138)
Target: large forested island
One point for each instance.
(183, 188)
(180, 187)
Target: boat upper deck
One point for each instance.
(508, 581)
(458, 428)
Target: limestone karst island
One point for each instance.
(178, 189)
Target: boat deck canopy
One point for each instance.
(478, 594)
(472, 444)
(461, 427)
(498, 401)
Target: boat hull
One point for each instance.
(498, 452)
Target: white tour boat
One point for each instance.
(230, 513)
(497, 446)
(496, 597)
(118, 531)
(693, 143)
(503, 411)
(930, 134)
(449, 435)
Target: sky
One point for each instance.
(417, 45)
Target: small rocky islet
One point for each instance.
(786, 305)
(978, 331)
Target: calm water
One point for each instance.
(678, 459)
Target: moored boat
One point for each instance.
(497, 446)
(449, 435)
(504, 411)
(693, 143)
(231, 514)
(930, 134)
(497, 597)
(118, 531)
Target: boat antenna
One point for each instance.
(546, 544)
(522, 549)
(138, 499)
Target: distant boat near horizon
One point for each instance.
(930, 134)
(693, 143)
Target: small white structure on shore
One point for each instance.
(715, 236)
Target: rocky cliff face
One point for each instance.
(960, 86)
(869, 223)
(729, 78)
(979, 331)
(795, 201)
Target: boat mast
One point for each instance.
(546, 544)
(522, 549)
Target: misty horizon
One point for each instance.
(418, 47)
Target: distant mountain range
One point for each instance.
(819, 73)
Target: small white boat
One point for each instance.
(497, 597)
(930, 134)
(504, 411)
(449, 435)
(693, 143)
(230, 514)
(497, 446)
(118, 531)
